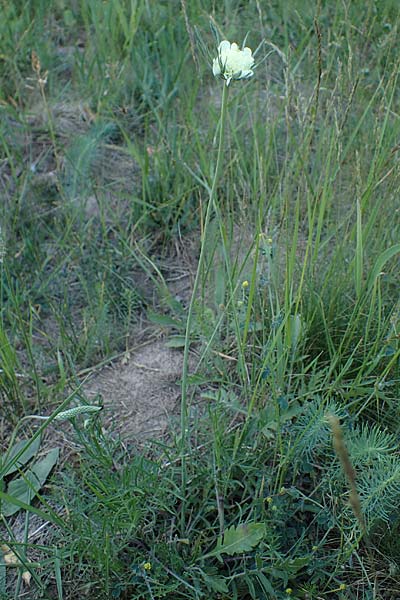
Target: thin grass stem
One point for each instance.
(185, 370)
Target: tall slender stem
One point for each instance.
(210, 206)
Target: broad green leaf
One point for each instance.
(238, 539)
(24, 488)
(36, 511)
(164, 320)
(30, 450)
(176, 341)
(217, 584)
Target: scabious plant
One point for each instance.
(233, 63)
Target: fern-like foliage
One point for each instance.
(313, 434)
(369, 444)
(379, 489)
(373, 454)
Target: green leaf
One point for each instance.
(217, 584)
(51, 518)
(176, 341)
(380, 263)
(163, 320)
(291, 566)
(238, 539)
(358, 271)
(30, 450)
(25, 488)
(265, 584)
(69, 18)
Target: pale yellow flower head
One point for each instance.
(233, 63)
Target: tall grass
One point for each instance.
(294, 312)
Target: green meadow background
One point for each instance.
(109, 120)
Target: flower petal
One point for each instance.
(224, 46)
(216, 68)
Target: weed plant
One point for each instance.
(109, 136)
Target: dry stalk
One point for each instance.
(342, 452)
(354, 499)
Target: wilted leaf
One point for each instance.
(9, 557)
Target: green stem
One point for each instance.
(210, 206)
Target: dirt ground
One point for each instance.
(141, 391)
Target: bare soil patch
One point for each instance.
(140, 392)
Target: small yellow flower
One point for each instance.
(233, 63)
(289, 591)
(245, 284)
(314, 548)
(269, 499)
(342, 586)
(147, 566)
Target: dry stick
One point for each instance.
(41, 78)
(354, 499)
(190, 35)
(319, 79)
